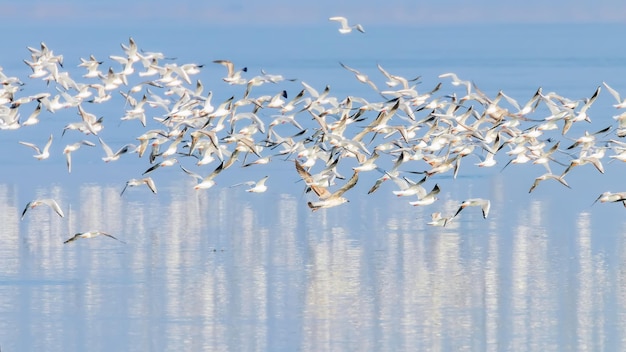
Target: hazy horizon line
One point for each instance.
(303, 14)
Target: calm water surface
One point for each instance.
(223, 269)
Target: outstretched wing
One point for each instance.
(351, 182)
(321, 192)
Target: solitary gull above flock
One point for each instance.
(345, 27)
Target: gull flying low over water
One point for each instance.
(256, 187)
(205, 182)
(611, 197)
(547, 176)
(133, 182)
(90, 234)
(164, 163)
(429, 198)
(438, 220)
(327, 199)
(47, 201)
(345, 28)
(484, 204)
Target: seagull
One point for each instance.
(582, 161)
(409, 187)
(345, 28)
(438, 220)
(90, 234)
(33, 118)
(394, 80)
(257, 187)
(131, 50)
(71, 148)
(92, 67)
(261, 161)
(133, 182)
(388, 174)
(47, 201)
(205, 182)
(41, 154)
(547, 176)
(166, 162)
(233, 77)
(484, 204)
(428, 199)
(611, 197)
(457, 82)
(361, 77)
(327, 199)
(110, 156)
(368, 164)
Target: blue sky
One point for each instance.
(286, 12)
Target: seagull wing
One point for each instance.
(54, 205)
(73, 238)
(613, 92)
(190, 173)
(342, 20)
(29, 204)
(321, 192)
(107, 149)
(351, 182)
(150, 184)
(31, 145)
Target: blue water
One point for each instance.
(223, 269)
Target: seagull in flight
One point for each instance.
(327, 199)
(41, 153)
(484, 204)
(255, 186)
(134, 182)
(345, 28)
(612, 197)
(47, 201)
(90, 234)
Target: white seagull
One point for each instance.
(484, 204)
(345, 28)
(327, 199)
(612, 197)
(232, 77)
(133, 182)
(438, 220)
(90, 234)
(47, 201)
(428, 199)
(41, 154)
(256, 187)
(205, 182)
(361, 77)
(110, 156)
(71, 148)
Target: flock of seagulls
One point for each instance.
(404, 133)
